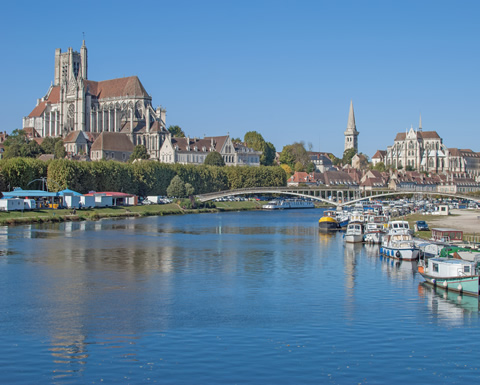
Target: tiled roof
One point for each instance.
(129, 86)
(52, 98)
(112, 141)
(380, 154)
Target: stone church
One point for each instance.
(74, 103)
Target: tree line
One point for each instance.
(140, 178)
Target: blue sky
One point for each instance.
(287, 69)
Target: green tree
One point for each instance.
(48, 144)
(176, 188)
(380, 166)
(139, 152)
(348, 155)
(255, 140)
(176, 131)
(16, 137)
(189, 190)
(214, 159)
(59, 150)
(31, 150)
(294, 153)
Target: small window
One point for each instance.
(466, 269)
(435, 267)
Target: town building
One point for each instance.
(425, 151)
(194, 151)
(75, 103)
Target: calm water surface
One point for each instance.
(231, 298)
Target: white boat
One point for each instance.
(451, 274)
(282, 204)
(357, 216)
(398, 242)
(354, 233)
(375, 229)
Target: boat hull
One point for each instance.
(353, 238)
(465, 285)
(410, 254)
(327, 224)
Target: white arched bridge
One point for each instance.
(334, 196)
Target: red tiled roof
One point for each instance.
(129, 86)
(112, 141)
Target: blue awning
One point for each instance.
(19, 193)
(68, 191)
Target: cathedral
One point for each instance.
(74, 103)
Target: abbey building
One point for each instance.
(75, 103)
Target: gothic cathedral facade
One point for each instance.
(74, 103)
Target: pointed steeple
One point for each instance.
(351, 119)
(351, 133)
(420, 123)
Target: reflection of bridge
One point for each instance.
(341, 196)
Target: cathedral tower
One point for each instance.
(70, 65)
(351, 134)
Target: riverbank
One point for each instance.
(63, 215)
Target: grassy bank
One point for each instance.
(61, 215)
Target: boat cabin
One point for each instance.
(398, 226)
(447, 235)
(442, 267)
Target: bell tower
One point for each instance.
(351, 133)
(70, 65)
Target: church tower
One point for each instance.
(70, 66)
(351, 134)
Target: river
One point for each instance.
(230, 298)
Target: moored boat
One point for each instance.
(282, 204)
(328, 222)
(451, 274)
(354, 233)
(375, 229)
(398, 242)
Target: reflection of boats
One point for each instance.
(398, 242)
(450, 305)
(451, 274)
(328, 221)
(281, 204)
(354, 233)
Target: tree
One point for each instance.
(214, 159)
(139, 152)
(176, 188)
(176, 131)
(294, 153)
(255, 140)
(380, 166)
(59, 151)
(287, 169)
(348, 155)
(189, 190)
(48, 144)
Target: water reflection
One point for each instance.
(449, 307)
(398, 270)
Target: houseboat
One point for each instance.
(375, 228)
(451, 274)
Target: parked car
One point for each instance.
(421, 226)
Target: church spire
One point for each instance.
(420, 123)
(351, 119)
(351, 133)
